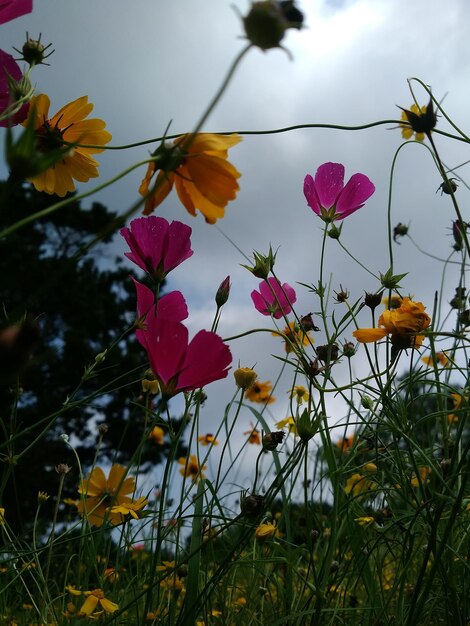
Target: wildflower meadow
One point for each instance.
(196, 430)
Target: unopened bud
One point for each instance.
(223, 292)
(271, 440)
(245, 377)
(252, 505)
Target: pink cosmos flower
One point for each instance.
(10, 68)
(11, 9)
(273, 298)
(330, 198)
(180, 364)
(156, 245)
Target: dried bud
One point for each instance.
(252, 505)
(372, 300)
(223, 292)
(459, 299)
(448, 187)
(271, 440)
(349, 349)
(400, 230)
(464, 318)
(334, 567)
(328, 353)
(245, 377)
(314, 536)
(342, 295)
(102, 429)
(43, 497)
(458, 230)
(268, 20)
(62, 469)
(306, 323)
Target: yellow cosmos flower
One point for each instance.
(67, 125)
(346, 443)
(358, 484)
(290, 423)
(203, 177)
(260, 392)
(104, 493)
(457, 399)
(295, 336)
(254, 435)
(266, 531)
(423, 477)
(129, 507)
(406, 131)
(300, 394)
(190, 468)
(403, 324)
(367, 520)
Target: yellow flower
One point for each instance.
(260, 392)
(423, 477)
(266, 531)
(393, 302)
(367, 520)
(104, 493)
(300, 394)
(203, 177)
(94, 598)
(295, 337)
(407, 132)
(157, 435)
(441, 359)
(130, 507)
(67, 125)
(290, 422)
(403, 324)
(150, 386)
(358, 484)
(254, 436)
(207, 440)
(457, 399)
(191, 468)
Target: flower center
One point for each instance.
(49, 138)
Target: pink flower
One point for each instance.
(179, 364)
(156, 245)
(11, 9)
(9, 68)
(330, 198)
(274, 299)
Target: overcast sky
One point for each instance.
(148, 62)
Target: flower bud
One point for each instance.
(307, 427)
(335, 232)
(245, 377)
(223, 292)
(62, 469)
(34, 52)
(342, 295)
(448, 187)
(306, 323)
(328, 353)
(367, 402)
(349, 349)
(372, 300)
(263, 264)
(459, 299)
(400, 230)
(268, 20)
(252, 505)
(458, 230)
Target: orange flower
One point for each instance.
(260, 392)
(441, 359)
(157, 435)
(67, 125)
(403, 324)
(198, 167)
(254, 436)
(207, 440)
(190, 467)
(295, 337)
(423, 477)
(346, 443)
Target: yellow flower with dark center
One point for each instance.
(67, 125)
(290, 423)
(300, 394)
(101, 494)
(407, 131)
(207, 440)
(295, 337)
(260, 392)
(190, 468)
(199, 169)
(403, 324)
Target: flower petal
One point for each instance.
(368, 335)
(208, 358)
(357, 190)
(329, 181)
(311, 195)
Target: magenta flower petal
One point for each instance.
(11, 9)
(208, 358)
(311, 195)
(358, 189)
(9, 67)
(172, 306)
(166, 345)
(157, 246)
(273, 299)
(329, 181)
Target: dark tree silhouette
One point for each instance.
(62, 303)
